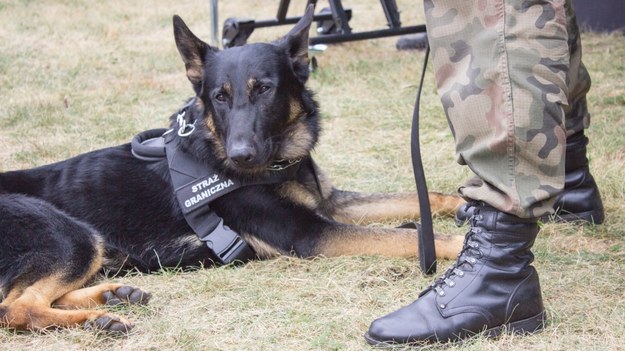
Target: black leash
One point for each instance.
(425, 231)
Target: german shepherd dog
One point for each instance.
(106, 210)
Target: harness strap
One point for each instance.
(196, 186)
(425, 231)
(224, 242)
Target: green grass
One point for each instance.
(80, 75)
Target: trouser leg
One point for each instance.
(581, 199)
(577, 119)
(502, 71)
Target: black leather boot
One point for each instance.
(580, 200)
(492, 288)
(463, 214)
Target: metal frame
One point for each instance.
(338, 14)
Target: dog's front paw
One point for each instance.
(109, 323)
(127, 295)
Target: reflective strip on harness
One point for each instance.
(203, 191)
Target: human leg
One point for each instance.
(501, 69)
(580, 200)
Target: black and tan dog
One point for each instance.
(63, 223)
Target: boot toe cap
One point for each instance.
(406, 325)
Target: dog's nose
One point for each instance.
(243, 155)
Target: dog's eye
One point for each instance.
(263, 89)
(221, 97)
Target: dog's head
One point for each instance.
(252, 106)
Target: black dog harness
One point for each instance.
(196, 185)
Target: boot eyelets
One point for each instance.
(472, 260)
(442, 306)
(451, 284)
(441, 293)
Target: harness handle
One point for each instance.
(148, 145)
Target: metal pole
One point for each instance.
(214, 24)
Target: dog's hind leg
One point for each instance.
(360, 208)
(44, 255)
(350, 240)
(31, 309)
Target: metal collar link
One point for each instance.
(184, 129)
(280, 165)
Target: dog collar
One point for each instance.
(185, 129)
(150, 146)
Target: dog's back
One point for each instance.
(130, 202)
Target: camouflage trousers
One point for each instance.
(512, 84)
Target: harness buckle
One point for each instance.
(227, 245)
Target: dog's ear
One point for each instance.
(296, 44)
(193, 52)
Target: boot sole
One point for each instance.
(530, 325)
(527, 326)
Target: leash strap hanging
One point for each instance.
(425, 231)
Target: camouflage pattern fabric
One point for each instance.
(577, 118)
(506, 71)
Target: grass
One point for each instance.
(81, 75)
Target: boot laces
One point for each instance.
(467, 258)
